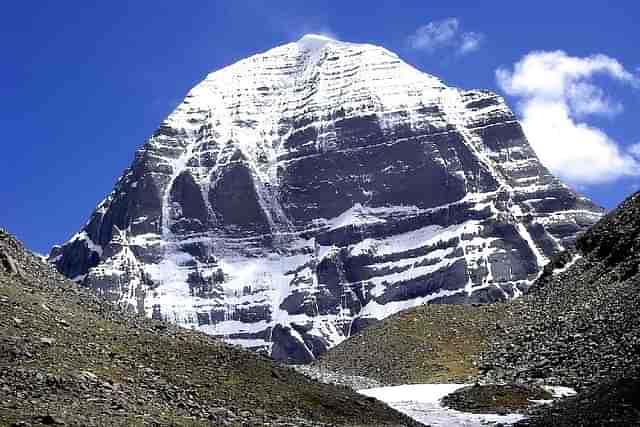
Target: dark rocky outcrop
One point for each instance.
(234, 199)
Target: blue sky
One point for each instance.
(83, 84)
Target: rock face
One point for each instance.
(300, 193)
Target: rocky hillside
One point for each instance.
(70, 357)
(435, 343)
(615, 403)
(299, 194)
(578, 326)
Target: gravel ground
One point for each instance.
(495, 399)
(327, 376)
(581, 327)
(68, 357)
(427, 345)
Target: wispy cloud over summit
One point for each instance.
(444, 34)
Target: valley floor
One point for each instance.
(423, 402)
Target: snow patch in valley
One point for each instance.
(557, 392)
(422, 403)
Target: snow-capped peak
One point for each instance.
(304, 190)
(314, 41)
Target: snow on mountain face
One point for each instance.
(299, 193)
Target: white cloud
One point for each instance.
(470, 42)
(556, 94)
(635, 149)
(324, 32)
(444, 34)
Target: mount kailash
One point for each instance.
(297, 195)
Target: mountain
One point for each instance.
(578, 325)
(68, 357)
(298, 195)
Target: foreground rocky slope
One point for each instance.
(299, 194)
(69, 357)
(579, 326)
(580, 323)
